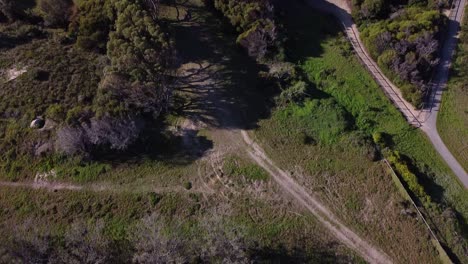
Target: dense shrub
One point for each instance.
(12, 10)
(98, 133)
(56, 13)
(409, 177)
(296, 93)
(406, 47)
(382, 9)
(56, 112)
(93, 23)
(141, 55)
(254, 20)
(96, 102)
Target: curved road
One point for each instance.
(425, 119)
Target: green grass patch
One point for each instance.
(234, 166)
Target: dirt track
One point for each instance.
(344, 234)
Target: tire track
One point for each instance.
(343, 233)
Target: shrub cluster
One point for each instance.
(402, 167)
(134, 86)
(92, 24)
(97, 79)
(254, 20)
(408, 177)
(406, 48)
(12, 10)
(381, 9)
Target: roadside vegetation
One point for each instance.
(358, 117)
(452, 122)
(404, 38)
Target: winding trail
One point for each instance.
(425, 119)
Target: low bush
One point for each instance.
(409, 177)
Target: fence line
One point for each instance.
(379, 77)
(439, 246)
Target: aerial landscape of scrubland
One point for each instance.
(233, 131)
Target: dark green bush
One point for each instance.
(406, 48)
(188, 185)
(56, 13)
(92, 24)
(254, 20)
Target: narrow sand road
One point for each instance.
(425, 119)
(344, 234)
(96, 187)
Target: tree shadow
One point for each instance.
(156, 143)
(217, 83)
(220, 85)
(305, 35)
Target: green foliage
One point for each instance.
(56, 112)
(294, 94)
(154, 198)
(364, 10)
(378, 138)
(93, 23)
(323, 120)
(74, 115)
(409, 177)
(138, 47)
(235, 167)
(405, 47)
(353, 88)
(74, 91)
(255, 23)
(56, 13)
(82, 173)
(141, 55)
(188, 185)
(12, 10)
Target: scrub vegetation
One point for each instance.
(140, 158)
(404, 38)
